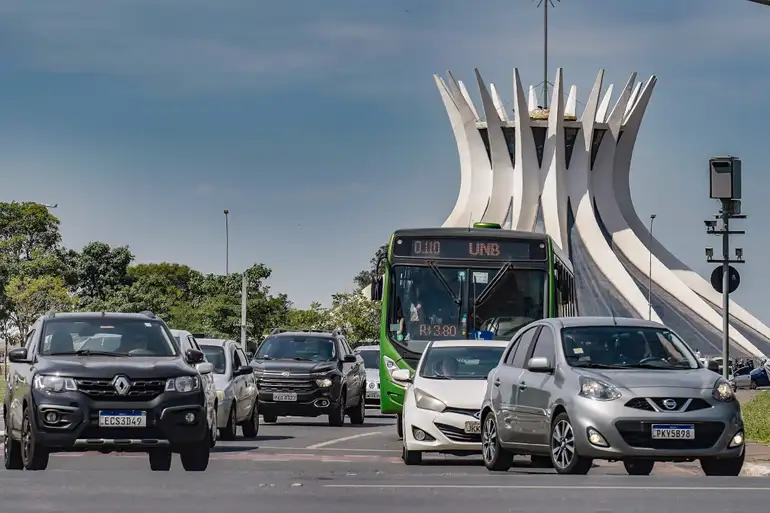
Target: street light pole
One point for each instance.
(227, 242)
(649, 272)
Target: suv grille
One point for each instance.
(639, 434)
(278, 383)
(141, 389)
(456, 434)
(641, 403)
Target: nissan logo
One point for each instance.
(669, 404)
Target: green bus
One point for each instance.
(463, 283)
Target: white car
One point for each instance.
(443, 399)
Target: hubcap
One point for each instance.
(27, 440)
(489, 439)
(563, 444)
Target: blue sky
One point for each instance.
(318, 125)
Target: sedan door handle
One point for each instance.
(522, 386)
(497, 382)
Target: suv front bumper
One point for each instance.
(307, 404)
(77, 427)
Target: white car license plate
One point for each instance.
(673, 432)
(473, 427)
(127, 419)
(372, 395)
(285, 397)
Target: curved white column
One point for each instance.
(499, 105)
(554, 195)
(526, 171)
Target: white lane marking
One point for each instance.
(272, 448)
(343, 439)
(552, 487)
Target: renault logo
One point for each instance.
(669, 404)
(285, 374)
(121, 384)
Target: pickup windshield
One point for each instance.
(296, 347)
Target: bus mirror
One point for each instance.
(376, 289)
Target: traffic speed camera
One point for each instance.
(725, 178)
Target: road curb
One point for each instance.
(755, 470)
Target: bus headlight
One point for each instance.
(390, 366)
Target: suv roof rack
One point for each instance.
(148, 313)
(335, 331)
(50, 314)
(276, 331)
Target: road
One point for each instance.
(305, 465)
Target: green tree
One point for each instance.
(364, 277)
(314, 318)
(33, 297)
(100, 271)
(357, 316)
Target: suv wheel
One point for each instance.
(11, 451)
(250, 428)
(337, 413)
(231, 430)
(269, 418)
(195, 457)
(358, 413)
(213, 430)
(160, 459)
(33, 455)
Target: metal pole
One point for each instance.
(244, 297)
(649, 272)
(726, 205)
(227, 243)
(545, 54)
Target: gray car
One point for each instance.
(236, 388)
(571, 390)
(371, 356)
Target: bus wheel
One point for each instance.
(400, 426)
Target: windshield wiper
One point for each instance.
(490, 287)
(594, 365)
(265, 357)
(652, 366)
(299, 359)
(437, 376)
(88, 352)
(447, 286)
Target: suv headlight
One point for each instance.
(597, 390)
(723, 391)
(426, 401)
(323, 383)
(183, 384)
(45, 383)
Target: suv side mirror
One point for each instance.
(194, 356)
(18, 355)
(350, 358)
(243, 370)
(205, 368)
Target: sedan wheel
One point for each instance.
(563, 449)
(496, 458)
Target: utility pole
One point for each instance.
(544, 4)
(725, 186)
(244, 297)
(649, 272)
(227, 242)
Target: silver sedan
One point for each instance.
(236, 386)
(571, 390)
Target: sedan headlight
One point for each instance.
(323, 383)
(183, 384)
(597, 390)
(54, 384)
(426, 401)
(723, 391)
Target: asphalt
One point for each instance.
(306, 465)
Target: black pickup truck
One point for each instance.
(105, 382)
(308, 374)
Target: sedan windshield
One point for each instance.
(216, 356)
(462, 362)
(371, 358)
(297, 347)
(626, 347)
(105, 336)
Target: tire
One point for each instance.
(410, 457)
(400, 426)
(250, 428)
(11, 451)
(564, 454)
(33, 455)
(269, 418)
(723, 466)
(195, 457)
(357, 414)
(337, 414)
(214, 430)
(230, 431)
(753, 385)
(639, 467)
(496, 457)
(160, 460)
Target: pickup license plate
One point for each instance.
(473, 427)
(123, 419)
(285, 397)
(673, 432)
(372, 395)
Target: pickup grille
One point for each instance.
(103, 389)
(278, 383)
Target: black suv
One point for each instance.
(135, 393)
(309, 373)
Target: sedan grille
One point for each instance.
(270, 383)
(456, 434)
(140, 390)
(680, 404)
(639, 434)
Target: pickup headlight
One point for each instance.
(426, 401)
(183, 384)
(323, 383)
(723, 391)
(597, 390)
(54, 384)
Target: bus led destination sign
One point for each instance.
(455, 248)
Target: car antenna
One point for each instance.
(612, 312)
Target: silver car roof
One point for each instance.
(214, 341)
(366, 348)
(572, 322)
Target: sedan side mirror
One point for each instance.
(539, 364)
(402, 375)
(350, 358)
(18, 355)
(244, 370)
(194, 356)
(205, 368)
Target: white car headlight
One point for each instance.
(45, 383)
(598, 390)
(426, 401)
(723, 391)
(183, 384)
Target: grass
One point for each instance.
(756, 417)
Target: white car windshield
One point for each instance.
(462, 362)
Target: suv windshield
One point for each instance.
(106, 336)
(371, 358)
(466, 362)
(216, 356)
(626, 347)
(296, 347)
